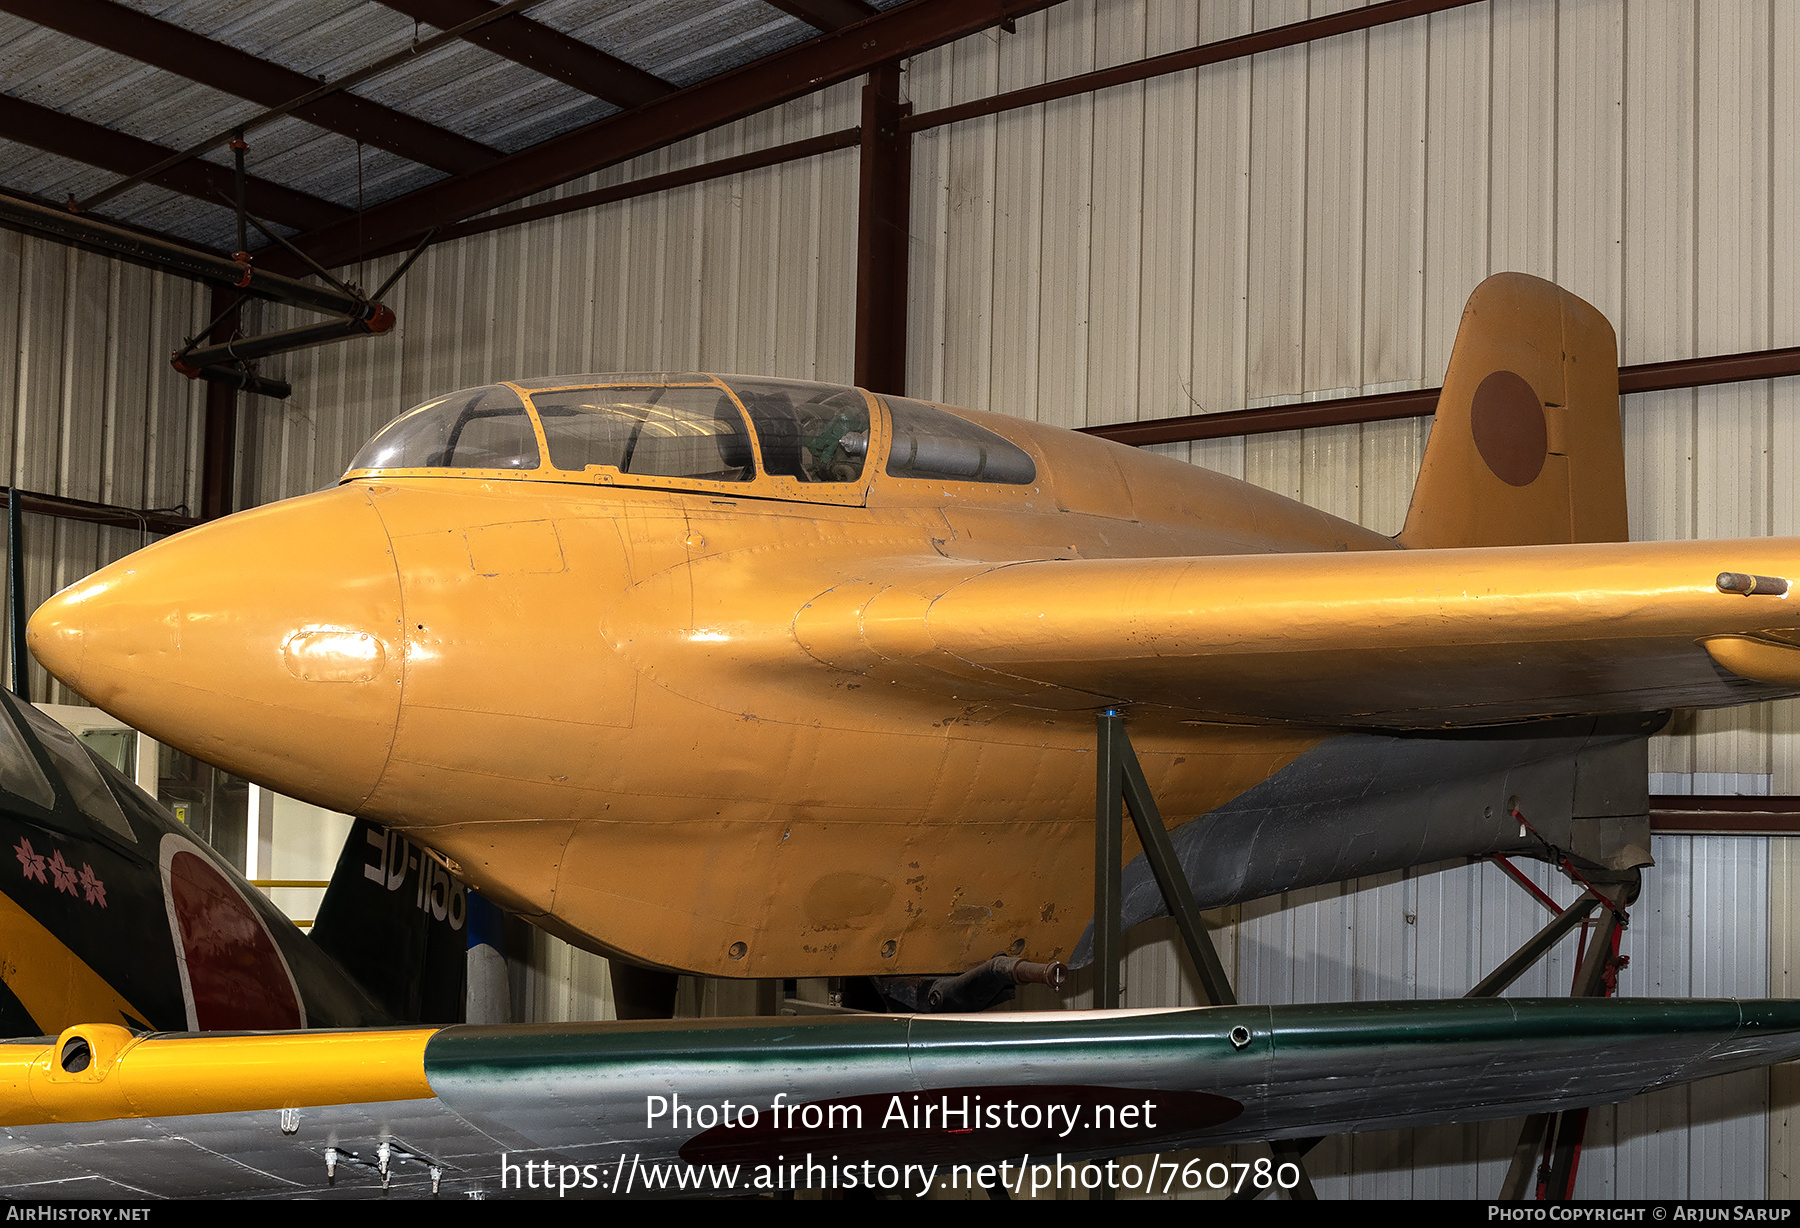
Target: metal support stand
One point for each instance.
(1515, 965)
(1524, 1160)
(1285, 1151)
(1119, 779)
(1590, 982)
(1109, 785)
(1571, 1127)
(1293, 1151)
(1545, 1160)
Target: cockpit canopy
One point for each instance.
(477, 428)
(688, 429)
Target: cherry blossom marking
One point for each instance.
(33, 862)
(92, 886)
(62, 872)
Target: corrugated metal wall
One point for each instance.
(89, 407)
(1303, 224)
(1306, 224)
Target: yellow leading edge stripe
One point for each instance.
(53, 984)
(170, 1076)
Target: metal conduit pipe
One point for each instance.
(247, 349)
(243, 381)
(193, 262)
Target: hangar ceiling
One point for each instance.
(378, 121)
(97, 92)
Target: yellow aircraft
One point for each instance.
(749, 677)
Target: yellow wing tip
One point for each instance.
(102, 1072)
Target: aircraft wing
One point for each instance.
(629, 1105)
(1393, 639)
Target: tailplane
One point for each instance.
(1526, 449)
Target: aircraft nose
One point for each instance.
(267, 643)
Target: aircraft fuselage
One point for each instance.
(628, 707)
(681, 667)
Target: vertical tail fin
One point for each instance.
(396, 921)
(1526, 449)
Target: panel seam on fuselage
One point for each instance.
(393, 552)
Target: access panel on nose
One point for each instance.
(508, 684)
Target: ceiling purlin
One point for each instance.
(893, 34)
(173, 49)
(135, 227)
(543, 50)
(826, 15)
(78, 140)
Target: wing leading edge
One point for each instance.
(450, 1102)
(1386, 639)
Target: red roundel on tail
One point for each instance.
(1511, 434)
(238, 979)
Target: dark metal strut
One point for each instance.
(1549, 1149)
(1119, 778)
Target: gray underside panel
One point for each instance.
(1359, 804)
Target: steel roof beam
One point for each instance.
(812, 66)
(1422, 402)
(543, 50)
(1713, 814)
(774, 155)
(826, 15)
(76, 139)
(11, 196)
(181, 259)
(1270, 38)
(173, 49)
